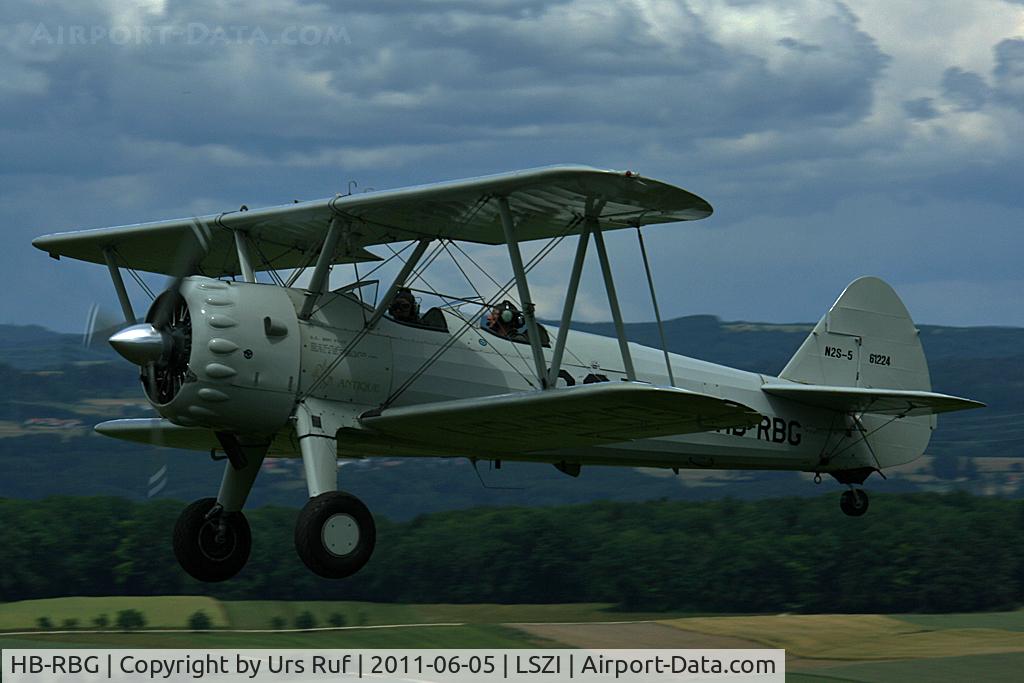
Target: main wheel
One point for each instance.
(213, 549)
(335, 535)
(854, 502)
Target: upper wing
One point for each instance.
(583, 415)
(866, 400)
(545, 202)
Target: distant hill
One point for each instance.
(31, 347)
(44, 375)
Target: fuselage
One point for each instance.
(791, 436)
(251, 359)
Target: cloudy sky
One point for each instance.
(834, 140)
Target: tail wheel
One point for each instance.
(335, 535)
(854, 502)
(211, 547)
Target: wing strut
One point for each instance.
(613, 300)
(654, 303)
(122, 292)
(400, 279)
(323, 268)
(570, 301)
(244, 259)
(516, 257)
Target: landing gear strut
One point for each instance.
(210, 543)
(212, 540)
(854, 502)
(335, 533)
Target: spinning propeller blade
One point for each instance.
(160, 346)
(100, 323)
(187, 263)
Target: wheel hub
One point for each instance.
(340, 534)
(215, 543)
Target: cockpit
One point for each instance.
(508, 322)
(405, 309)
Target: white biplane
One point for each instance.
(257, 370)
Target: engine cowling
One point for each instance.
(231, 357)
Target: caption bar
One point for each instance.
(294, 666)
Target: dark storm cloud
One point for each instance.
(447, 73)
(921, 109)
(794, 44)
(1008, 73)
(966, 89)
(770, 109)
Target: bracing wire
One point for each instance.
(358, 337)
(478, 266)
(274, 275)
(141, 283)
(135, 276)
(467, 324)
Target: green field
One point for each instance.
(160, 612)
(172, 612)
(1007, 621)
(939, 647)
(475, 635)
(1006, 667)
(860, 637)
(258, 613)
(407, 625)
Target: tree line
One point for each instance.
(911, 553)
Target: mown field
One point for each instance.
(883, 649)
(880, 648)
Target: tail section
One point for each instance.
(864, 361)
(866, 339)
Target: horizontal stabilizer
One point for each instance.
(866, 400)
(582, 415)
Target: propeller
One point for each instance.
(162, 345)
(189, 256)
(100, 323)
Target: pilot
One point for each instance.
(505, 320)
(404, 308)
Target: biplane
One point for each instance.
(268, 369)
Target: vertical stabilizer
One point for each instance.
(866, 339)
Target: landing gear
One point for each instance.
(210, 543)
(335, 535)
(854, 502)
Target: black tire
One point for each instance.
(353, 542)
(854, 503)
(198, 549)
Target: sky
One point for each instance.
(833, 139)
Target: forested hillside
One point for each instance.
(920, 552)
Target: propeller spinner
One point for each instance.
(142, 344)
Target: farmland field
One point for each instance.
(882, 648)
